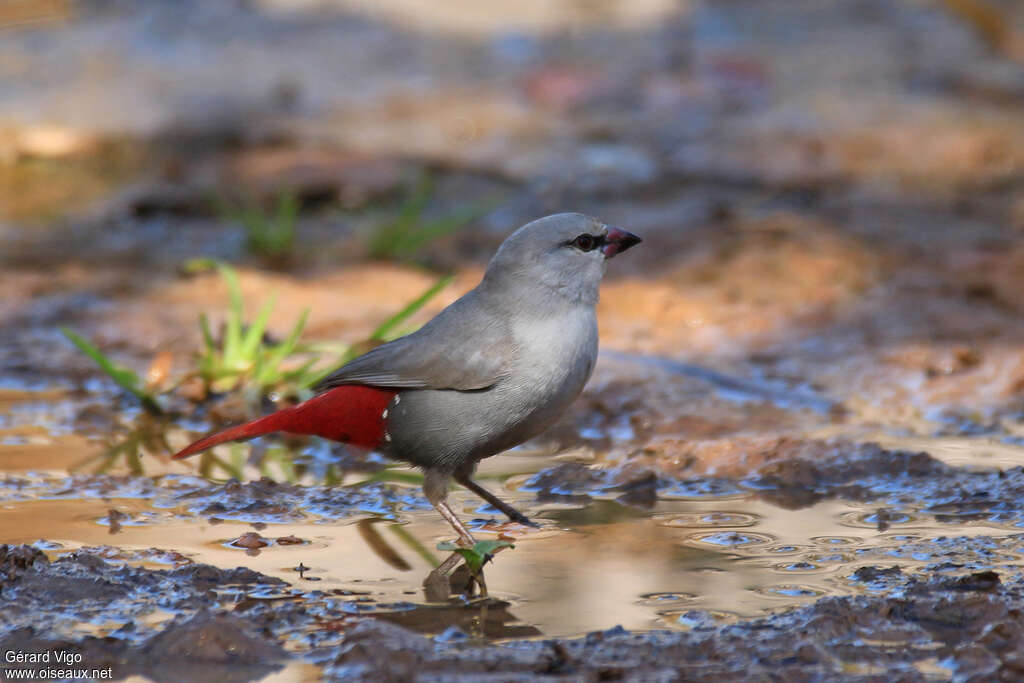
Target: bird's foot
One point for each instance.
(520, 518)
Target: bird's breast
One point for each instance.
(556, 354)
(555, 358)
(550, 360)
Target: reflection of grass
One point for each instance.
(281, 463)
(148, 434)
(416, 546)
(277, 463)
(402, 237)
(268, 235)
(392, 475)
(233, 467)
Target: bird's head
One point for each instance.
(562, 255)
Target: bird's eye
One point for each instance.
(585, 242)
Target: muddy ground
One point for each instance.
(800, 456)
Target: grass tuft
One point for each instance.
(269, 235)
(244, 357)
(404, 236)
(240, 358)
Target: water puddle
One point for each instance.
(638, 549)
(588, 568)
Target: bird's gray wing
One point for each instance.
(464, 348)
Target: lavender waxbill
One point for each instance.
(493, 369)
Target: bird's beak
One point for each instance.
(617, 241)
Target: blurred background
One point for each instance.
(204, 206)
(830, 193)
(807, 175)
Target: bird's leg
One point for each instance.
(435, 487)
(463, 477)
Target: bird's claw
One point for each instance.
(525, 521)
(519, 518)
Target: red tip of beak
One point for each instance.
(618, 241)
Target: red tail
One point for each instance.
(350, 414)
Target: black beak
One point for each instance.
(618, 241)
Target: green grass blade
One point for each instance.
(388, 475)
(300, 374)
(260, 372)
(413, 207)
(436, 229)
(122, 376)
(381, 333)
(210, 346)
(270, 362)
(287, 214)
(390, 238)
(333, 348)
(287, 347)
(253, 337)
(233, 328)
(477, 556)
(193, 266)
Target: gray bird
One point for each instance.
(493, 369)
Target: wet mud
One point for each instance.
(800, 457)
(831, 558)
(240, 625)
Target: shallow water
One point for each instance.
(690, 559)
(587, 569)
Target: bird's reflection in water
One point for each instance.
(482, 619)
(451, 602)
